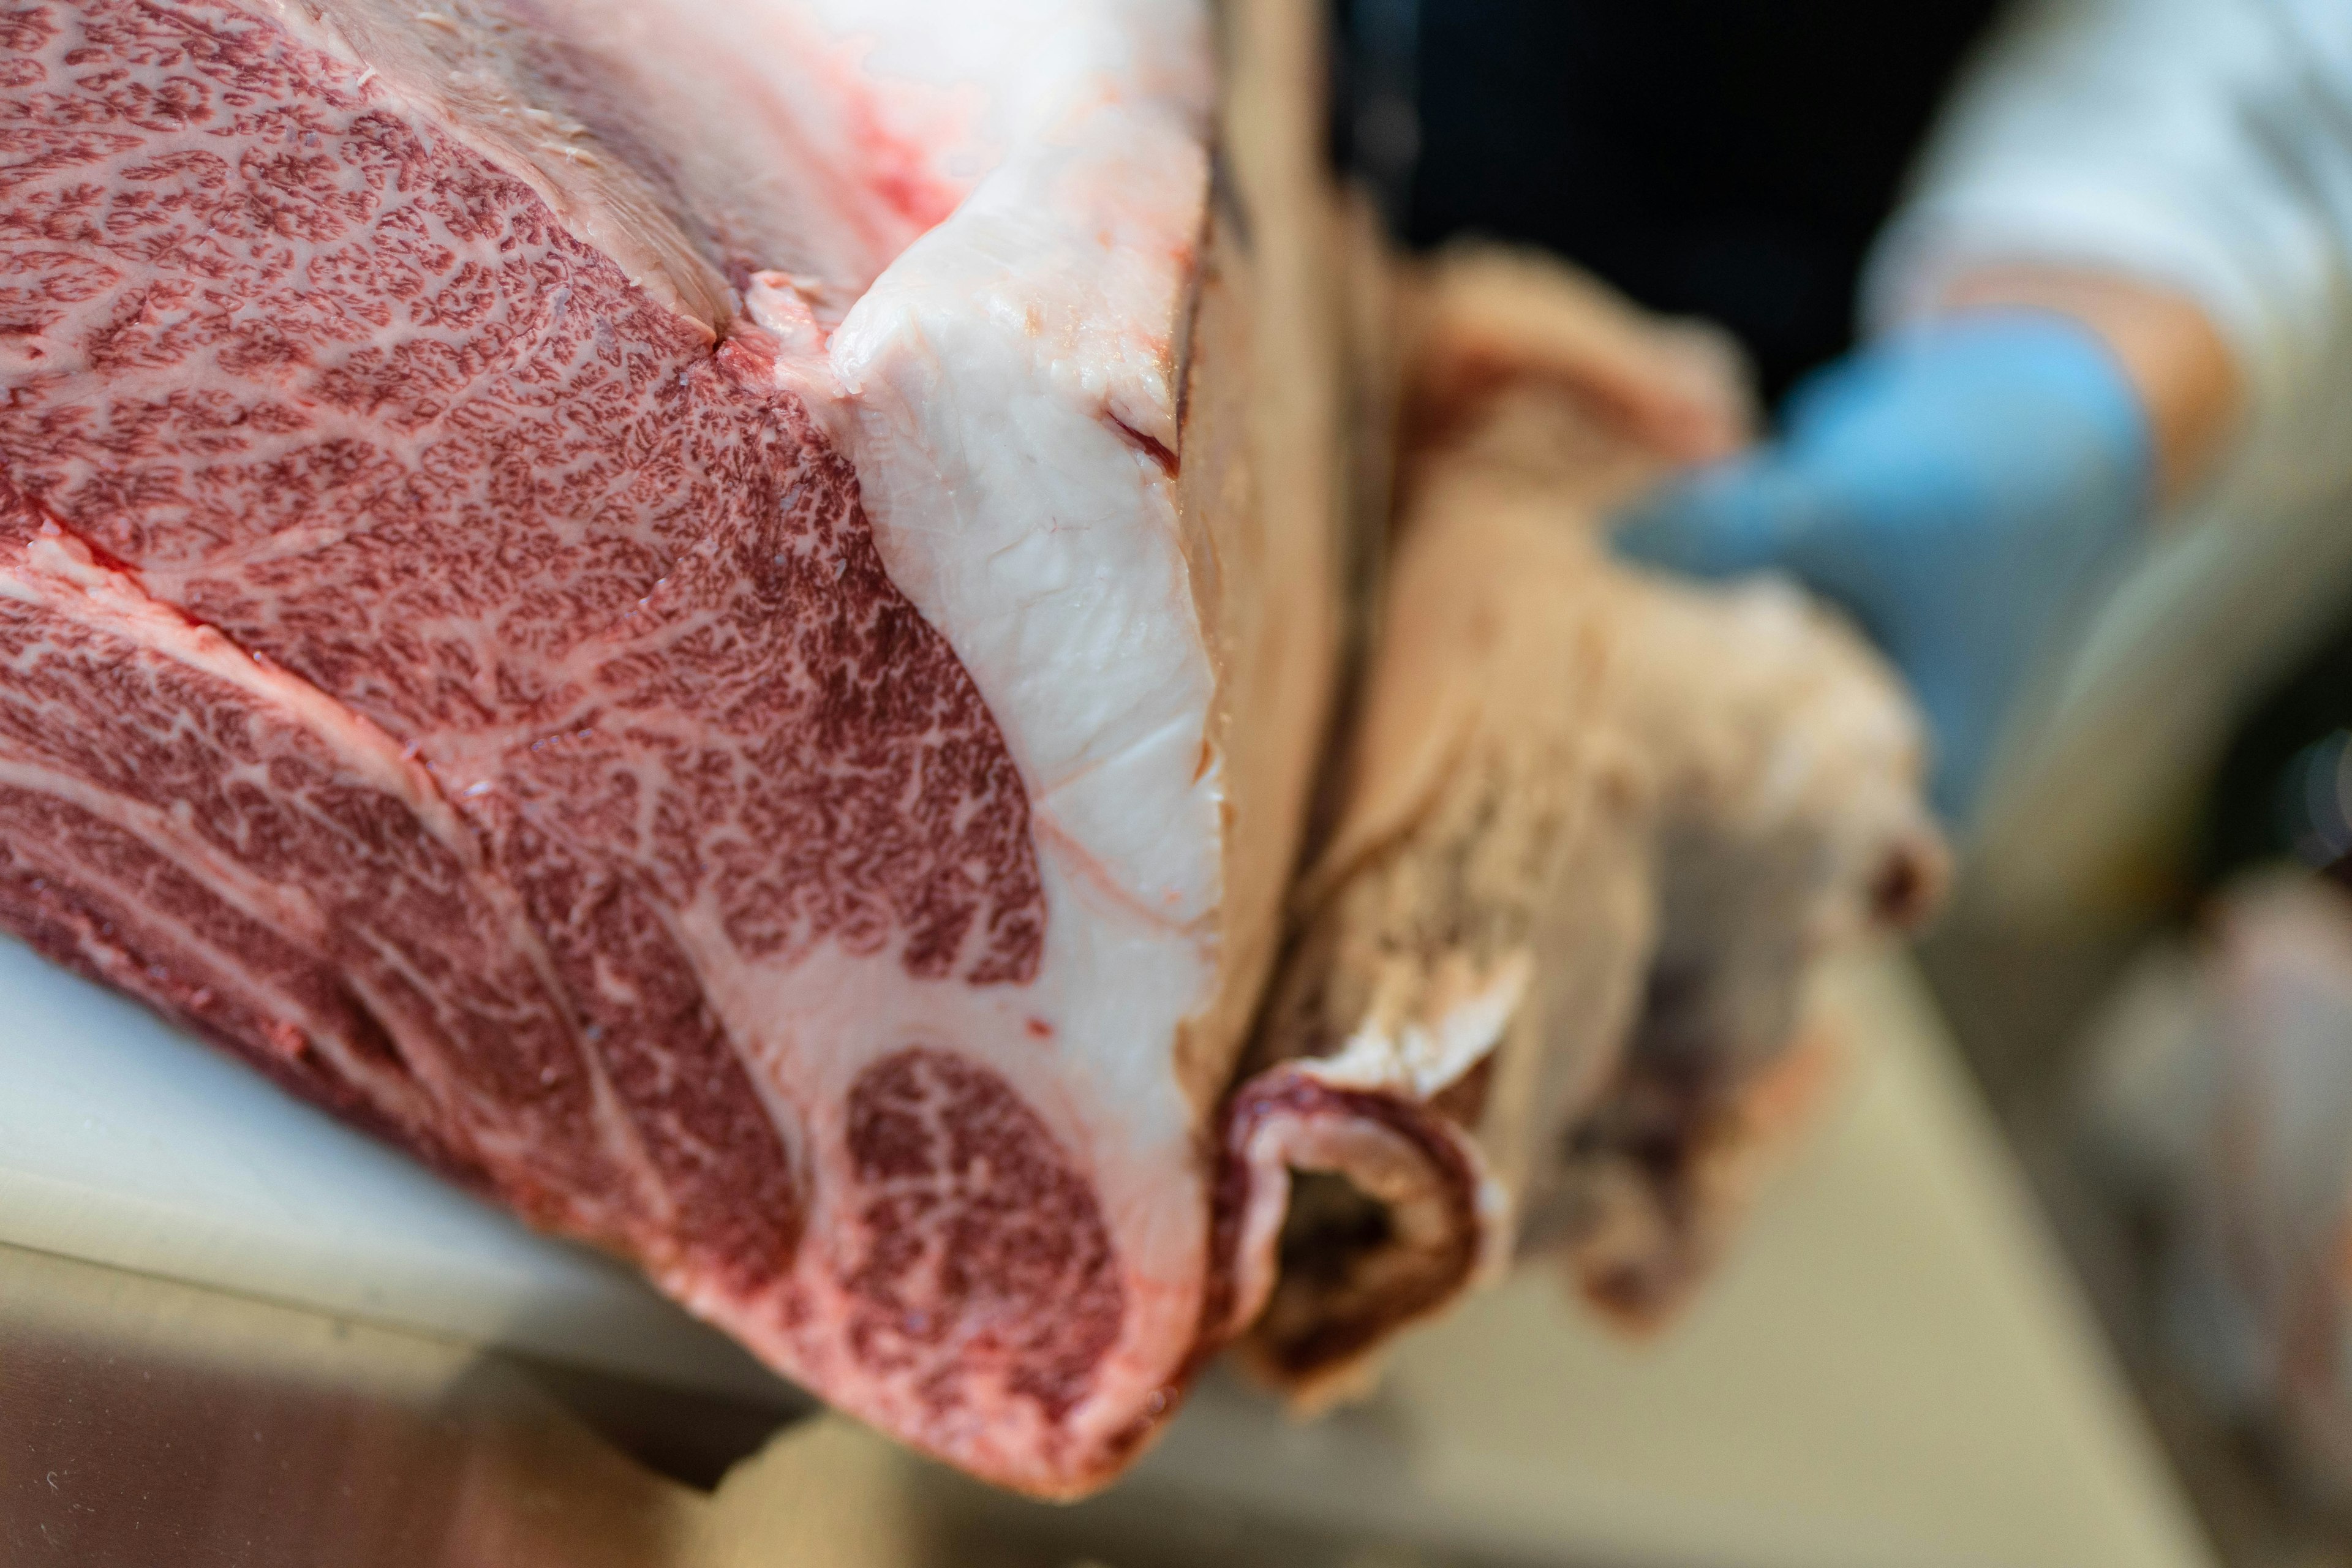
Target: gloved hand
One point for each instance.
(1956, 490)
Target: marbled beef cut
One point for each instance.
(671, 605)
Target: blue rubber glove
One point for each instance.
(1956, 490)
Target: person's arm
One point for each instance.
(2126, 273)
(2177, 175)
(2169, 350)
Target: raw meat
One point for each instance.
(1598, 827)
(605, 587)
(2219, 1127)
(719, 620)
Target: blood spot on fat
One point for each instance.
(983, 1269)
(1149, 445)
(1040, 1030)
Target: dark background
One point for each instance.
(1723, 158)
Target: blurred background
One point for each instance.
(2149, 973)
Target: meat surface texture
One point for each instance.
(630, 593)
(1598, 829)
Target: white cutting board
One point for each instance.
(126, 1142)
